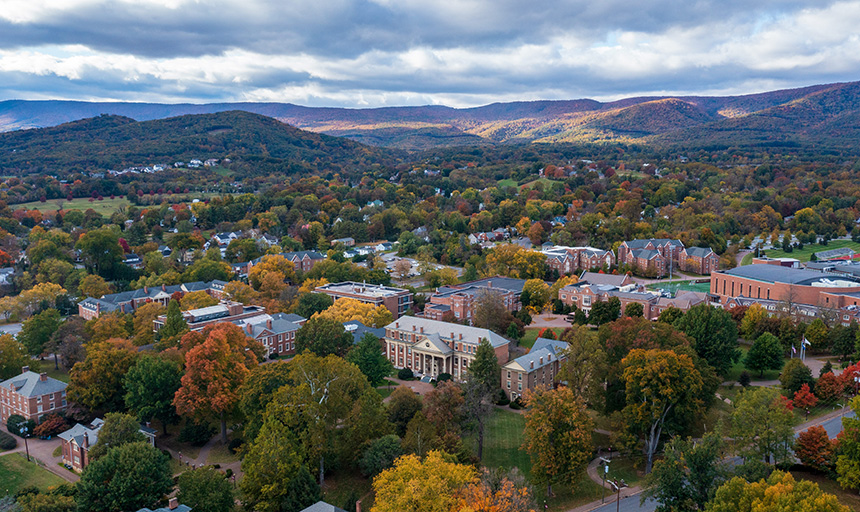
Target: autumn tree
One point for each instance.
(658, 383)
(779, 493)
(794, 375)
(197, 300)
(688, 475)
(214, 372)
(13, 356)
(818, 334)
(443, 407)
(714, 335)
(416, 485)
(489, 309)
(94, 285)
(370, 359)
(760, 426)
(241, 292)
(97, 381)
(150, 386)
(107, 326)
(557, 436)
(814, 448)
(323, 336)
(828, 388)
(497, 491)
(271, 263)
(584, 363)
(346, 310)
(804, 399)
(128, 477)
(765, 354)
(144, 318)
(118, 429)
(538, 293)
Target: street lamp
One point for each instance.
(25, 430)
(605, 471)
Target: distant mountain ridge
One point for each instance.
(826, 114)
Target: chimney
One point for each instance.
(164, 287)
(461, 335)
(414, 327)
(173, 504)
(489, 284)
(452, 335)
(86, 441)
(145, 289)
(269, 323)
(422, 329)
(248, 328)
(43, 377)
(25, 369)
(397, 325)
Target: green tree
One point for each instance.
(818, 334)
(274, 458)
(761, 426)
(794, 375)
(174, 327)
(323, 336)
(420, 435)
(484, 369)
(603, 312)
(765, 354)
(380, 455)
(128, 477)
(302, 491)
(557, 436)
(310, 303)
(714, 335)
(13, 356)
(688, 476)
(36, 332)
(779, 493)
(101, 252)
(257, 392)
(848, 459)
(205, 489)
(402, 406)
(150, 386)
(584, 365)
(634, 309)
(670, 315)
(370, 359)
(118, 429)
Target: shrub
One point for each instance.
(273, 355)
(443, 377)
(7, 442)
(405, 374)
(516, 404)
(51, 425)
(16, 423)
(744, 379)
(197, 434)
(228, 473)
(234, 445)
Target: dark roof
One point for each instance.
(640, 243)
(647, 254)
(701, 252)
(180, 508)
(358, 329)
(30, 384)
(778, 274)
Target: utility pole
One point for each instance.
(25, 430)
(605, 471)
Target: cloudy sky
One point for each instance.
(359, 53)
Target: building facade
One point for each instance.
(430, 348)
(538, 368)
(652, 256)
(701, 260)
(77, 441)
(128, 302)
(458, 301)
(568, 260)
(396, 300)
(276, 332)
(31, 395)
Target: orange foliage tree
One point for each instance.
(214, 371)
(804, 398)
(815, 449)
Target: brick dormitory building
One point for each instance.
(31, 395)
(458, 301)
(128, 302)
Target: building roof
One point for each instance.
(77, 432)
(602, 279)
(505, 283)
(358, 330)
(834, 253)
(322, 506)
(647, 254)
(640, 243)
(444, 329)
(543, 348)
(700, 252)
(30, 384)
(179, 508)
(259, 324)
(361, 289)
(778, 274)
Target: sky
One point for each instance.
(461, 53)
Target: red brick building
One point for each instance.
(652, 256)
(701, 260)
(128, 302)
(458, 301)
(31, 395)
(77, 441)
(777, 283)
(567, 260)
(537, 368)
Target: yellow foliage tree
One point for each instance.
(107, 326)
(42, 292)
(779, 493)
(271, 263)
(197, 300)
(240, 292)
(346, 310)
(431, 485)
(143, 322)
(561, 283)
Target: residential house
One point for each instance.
(430, 348)
(128, 302)
(302, 260)
(276, 332)
(567, 260)
(76, 442)
(322, 506)
(539, 367)
(347, 241)
(31, 395)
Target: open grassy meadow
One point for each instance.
(16, 473)
(806, 253)
(106, 206)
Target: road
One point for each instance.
(10, 328)
(628, 504)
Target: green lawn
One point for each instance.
(738, 367)
(386, 389)
(220, 454)
(342, 484)
(747, 259)
(105, 207)
(503, 437)
(806, 253)
(507, 183)
(528, 340)
(48, 367)
(16, 473)
(628, 469)
(681, 285)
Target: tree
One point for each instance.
(765, 354)
(214, 372)
(818, 334)
(322, 396)
(13, 356)
(815, 449)
(107, 326)
(484, 369)
(271, 263)
(794, 375)
(848, 459)
(829, 388)
(779, 493)
(402, 406)
(557, 436)
(346, 310)
(752, 321)
(584, 363)
(241, 292)
(94, 285)
(761, 426)
(310, 303)
(416, 485)
(538, 293)
(174, 326)
(804, 399)
(256, 393)
(128, 477)
(380, 455)
(144, 318)
(96, 382)
(205, 489)
(273, 459)
(670, 315)
(370, 359)
(118, 429)
(420, 435)
(36, 332)
(301, 492)
(443, 407)
(323, 336)
(197, 300)
(367, 420)
(688, 476)
(150, 386)
(714, 335)
(206, 269)
(101, 252)
(603, 312)
(657, 383)
(634, 309)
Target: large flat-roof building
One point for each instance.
(397, 300)
(226, 311)
(457, 302)
(777, 283)
(430, 347)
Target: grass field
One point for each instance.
(806, 253)
(61, 374)
(528, 340)
(220, 454)
(747, 259)
(738, 367)
(16, 473)
(847, 498)
(105, 207)
(507, 183)
(503, 437)
(681, 285)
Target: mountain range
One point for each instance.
(821, 115)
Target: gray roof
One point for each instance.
(180, 508)
(298, 255)
(701, 252)
(834, 253)
(259, 325)
(470, 334)
(77, 432)
(647, 254)
(290, 317)
(505, 283)
(598, 278)
(358, 330)
(778, 274)
(543, 348)
(640, 243)
(322, 506)
(30, 384)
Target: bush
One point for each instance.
(517, 404)
(405, 374)
(228, 473)
(51, 425)
(443, 377)
(7, 442)
(16, 423)
(744, 379)
(273, 355)
(234, 445)
(197, 434)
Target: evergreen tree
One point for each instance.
(301, 492)
(174, 326)
(368, 356)
(485, 367)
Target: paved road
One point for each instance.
(10, 328)
(628, 504)
(833, 426)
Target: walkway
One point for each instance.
(202, 458)
(548, 320)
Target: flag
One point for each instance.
(806, 342)
(793, 350)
